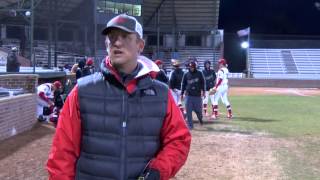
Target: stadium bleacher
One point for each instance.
(285, 63)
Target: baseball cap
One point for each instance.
(222, 61)
(192, 64)
(89, 62)
(126, 23)
(175, 62)
(57, 84)
(158, 62)
(14, 49)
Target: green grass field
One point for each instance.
(294, 119)
(284, 116)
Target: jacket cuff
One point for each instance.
(150, 174)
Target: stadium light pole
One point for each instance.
(31, 36)
(246, 45)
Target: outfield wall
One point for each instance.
(280, 83)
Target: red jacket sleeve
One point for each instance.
(65, 148)
(175, 143)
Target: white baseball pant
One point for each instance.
(222, 92)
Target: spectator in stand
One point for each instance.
(45, 99)
(13, 65)
(161, 76)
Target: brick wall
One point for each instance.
(28, 82)
(17, 114)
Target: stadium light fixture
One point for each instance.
(245, 45)
(27, 13)
(317, 5)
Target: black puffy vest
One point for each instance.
(120, 131)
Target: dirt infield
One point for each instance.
(219, 155)
(218, 151)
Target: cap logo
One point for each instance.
(120, 20)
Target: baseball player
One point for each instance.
(161, 75)
(210, 77)
(175, 82)
(220, 90)
(44, 99)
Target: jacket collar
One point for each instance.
(148, 68)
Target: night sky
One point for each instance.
(271, 17)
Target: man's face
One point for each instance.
(123, 47)
(192, 69)
(207, 65)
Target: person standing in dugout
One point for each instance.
(120, 123)
(220, 90)
(210, 77)
(193, 87)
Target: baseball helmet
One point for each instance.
(207, 62)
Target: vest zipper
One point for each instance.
(123, 138)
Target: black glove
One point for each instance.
(150, 174)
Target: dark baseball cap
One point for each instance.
(124, 22)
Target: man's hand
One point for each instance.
(181, 97)
(212, 91)
(203, 94)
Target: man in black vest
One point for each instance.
(120, 123)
